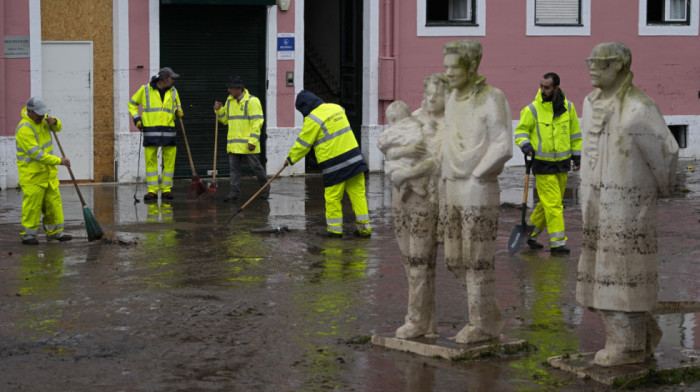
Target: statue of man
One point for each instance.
(628, 157)
(477, 142)
(411, 146)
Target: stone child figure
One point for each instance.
(628, 156)
(476, 144)
(414, 171)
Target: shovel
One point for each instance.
(522, 232)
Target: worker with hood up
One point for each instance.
(327, 129)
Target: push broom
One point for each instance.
(94, 231)
(211, 191)
(196, 186)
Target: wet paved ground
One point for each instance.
(169, 301)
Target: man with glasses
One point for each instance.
(629, 155)
(549, 130)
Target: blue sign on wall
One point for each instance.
(285, 46)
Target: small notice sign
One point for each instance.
(16, 46)
(285, 46)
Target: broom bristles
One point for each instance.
(210, 193)
(196, 188)
(94, 231)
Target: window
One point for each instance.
(440, 18)
(668, 17)
(449, 12)
(558, 17)
(680, 133)
(557, 12)
(668, 11)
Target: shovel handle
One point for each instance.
(528, 167)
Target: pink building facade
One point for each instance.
(363, 54)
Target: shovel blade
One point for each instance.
(518, 237)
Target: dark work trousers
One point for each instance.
(235, 162)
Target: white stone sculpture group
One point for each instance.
(444, 160)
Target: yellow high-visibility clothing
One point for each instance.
(158, 115)
(245, 120)
(151, 156)
(549, 212)
(327, 129)
(355, 187)
(555, 139)
(36, 165)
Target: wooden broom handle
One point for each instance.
(187, 145)
(63, 154)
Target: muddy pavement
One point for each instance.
(171, 301)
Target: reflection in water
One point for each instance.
(545, 322)
(328, 307)
(40, 275)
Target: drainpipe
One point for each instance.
(395, 55)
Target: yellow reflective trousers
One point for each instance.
(37, 200)
(355, 187)
(549, 212)
(151, 156)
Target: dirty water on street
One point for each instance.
(173, 300)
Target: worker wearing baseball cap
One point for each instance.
(160, 106)
(38, 178)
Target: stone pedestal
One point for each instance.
(665, 358)
(441, 347)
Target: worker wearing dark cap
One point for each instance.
(244, 116)
(160, 105)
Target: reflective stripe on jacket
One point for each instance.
(36, 163)
(327, 129)
(245, 120)
(157, 115)
(556, 140)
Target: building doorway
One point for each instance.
(333, 58)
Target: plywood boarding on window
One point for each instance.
(557, 12)
(89, 20)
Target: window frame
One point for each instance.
(456, 28)
(583, 29)
(670, 28)
(579, 24)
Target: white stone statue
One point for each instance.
(628, 156)
(477, 142)
(411, 146)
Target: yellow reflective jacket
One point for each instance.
(158, 115)
(36, 163)
(328, 130)
(555, 139)
(245, 120)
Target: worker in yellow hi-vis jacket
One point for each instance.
(36, 165)
(549, 128)
(327, 129)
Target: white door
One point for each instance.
(67, 79)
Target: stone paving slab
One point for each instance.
(665, 358)
(448, 349)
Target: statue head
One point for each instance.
(397, 111)
(435, 89)
(609, 64)
(461, 62)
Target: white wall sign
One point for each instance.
(16, 46)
